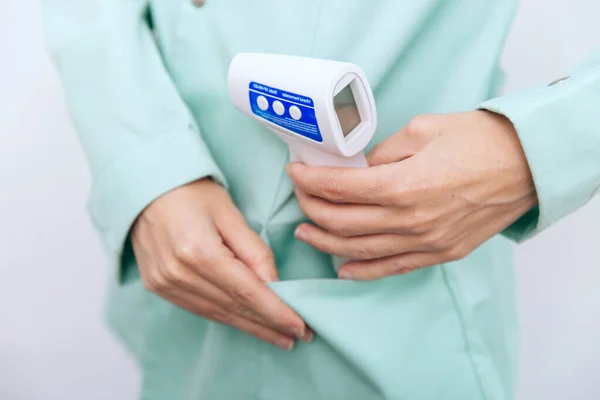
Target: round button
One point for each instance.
(262, 102)
(278, 107)
(295, 113)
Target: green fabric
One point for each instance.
(152, 111)
(559, 129)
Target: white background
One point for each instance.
(53, 344)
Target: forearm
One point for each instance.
(137, 133)
(559, 129)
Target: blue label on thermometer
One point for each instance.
(290, 111)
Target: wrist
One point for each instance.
(504, 127)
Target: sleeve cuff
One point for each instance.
(558, 128)
(124, 187)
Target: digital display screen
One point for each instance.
(346, 110)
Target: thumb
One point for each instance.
(247, 246)
(405, 143)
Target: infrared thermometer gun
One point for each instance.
(324, 110)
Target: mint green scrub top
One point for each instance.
(146, 84)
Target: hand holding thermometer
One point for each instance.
(324, 110)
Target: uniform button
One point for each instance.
(559, 80)
(198, 3)
(278, 107)
(295, 113)
(262, 102)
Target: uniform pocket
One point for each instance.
(397, 338)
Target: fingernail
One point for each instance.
(300, 234)
(285, 343)
(298, 332)
(345, 274)
(267, 276)
(308, 336)
(297, 164)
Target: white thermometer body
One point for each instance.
(324, 110)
